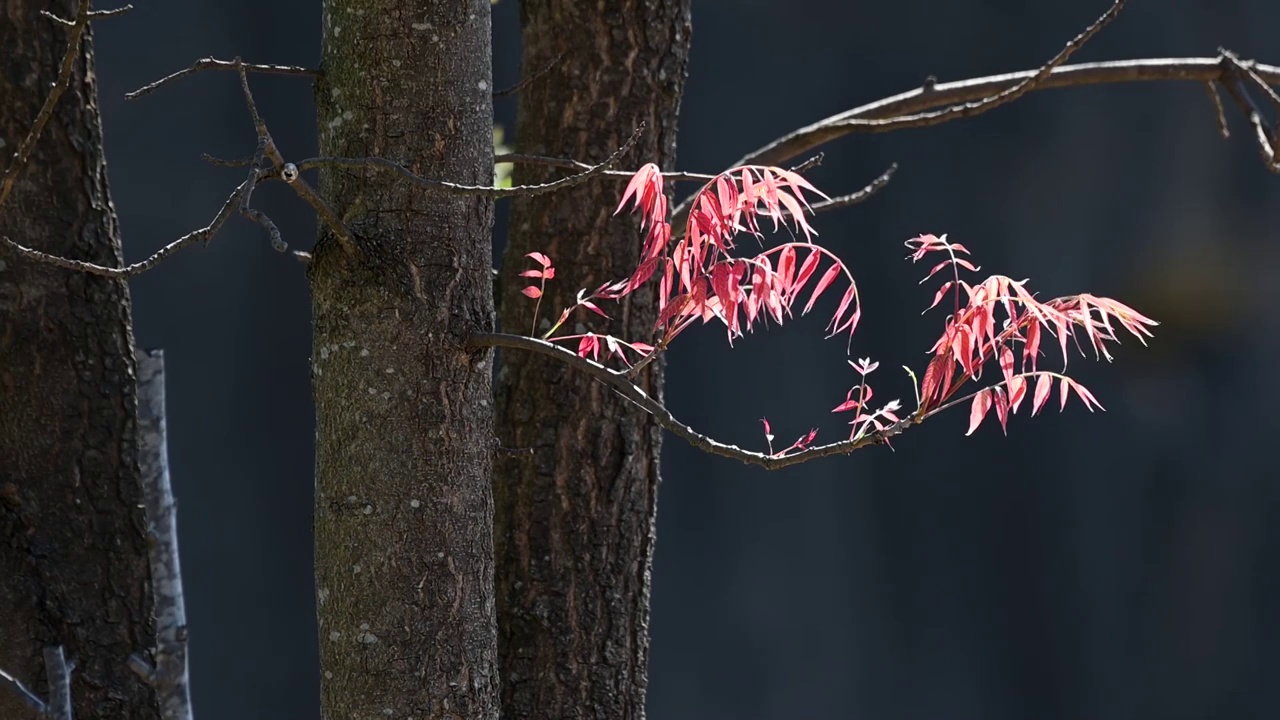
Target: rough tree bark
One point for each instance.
(73, 554)
(404, 511)
(575, 519)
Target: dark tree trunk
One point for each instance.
(404, 511)
(73, 560)
(575, 520)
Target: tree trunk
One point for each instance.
(575, 520)
(404, 510)
(73, 553)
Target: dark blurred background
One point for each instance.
(1115, 565)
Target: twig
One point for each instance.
(619, 382)
(205, 233)
(525, 82)
(220, 162)
(475, 190)
(23, 692)
(58, 672)
(287, 172)
(169, 674)
(862, 195)
(872, 118)
(214, 64)
(814, 161)
(266, 150)
(1004, 97)
(251, 182)
(1200, 69)
(1240, 94)
(1220, 114)
(521, 159)
(19, 160)
(93, 15)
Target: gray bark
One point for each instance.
(404, 543)
(575, 520)
(73, 553)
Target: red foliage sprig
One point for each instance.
(970, 339)
(996, 321)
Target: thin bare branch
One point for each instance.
(20, 157)
(1233, 81)
(521, 159)
(862, 195)
(93, 15)
(220, 162)
(266, 150)
(58, 672)
(1201, 69)
(621, 384)
(205, 233)
(214, 64)
(475, 190)
(253, 214)
(931, 95)
(169, 673)
(1219, 113)
(30, 698)
(525, 82)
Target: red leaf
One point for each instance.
(978, 410)
(1006, 363)
(539, 258)
(593, 308)
(823, 283)
(850, 403)
(1002, 409)
(850, 296)
(1017, 392)
(641, 275)
(767, 432)
(532, 292)
(589, 345)
(1086, 396)
(1031, 349)
(641, 184)
(942, 291)
(531, 274)
(1044, 383)
(806, 270)
(787, 268)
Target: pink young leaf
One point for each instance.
(979, 409)
(942, 291)
(589, 345)
(539, 258)
(823, 283)
(1086, 397)
(1006, 363)
(532, 291)
(851, 323)
(531, 274)
(806, 271)
(1017, 392)
(1044, 383)
(1002, 409)
(594, 308)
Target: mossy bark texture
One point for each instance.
(575, 518)
(404, 411)
(73, 553)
